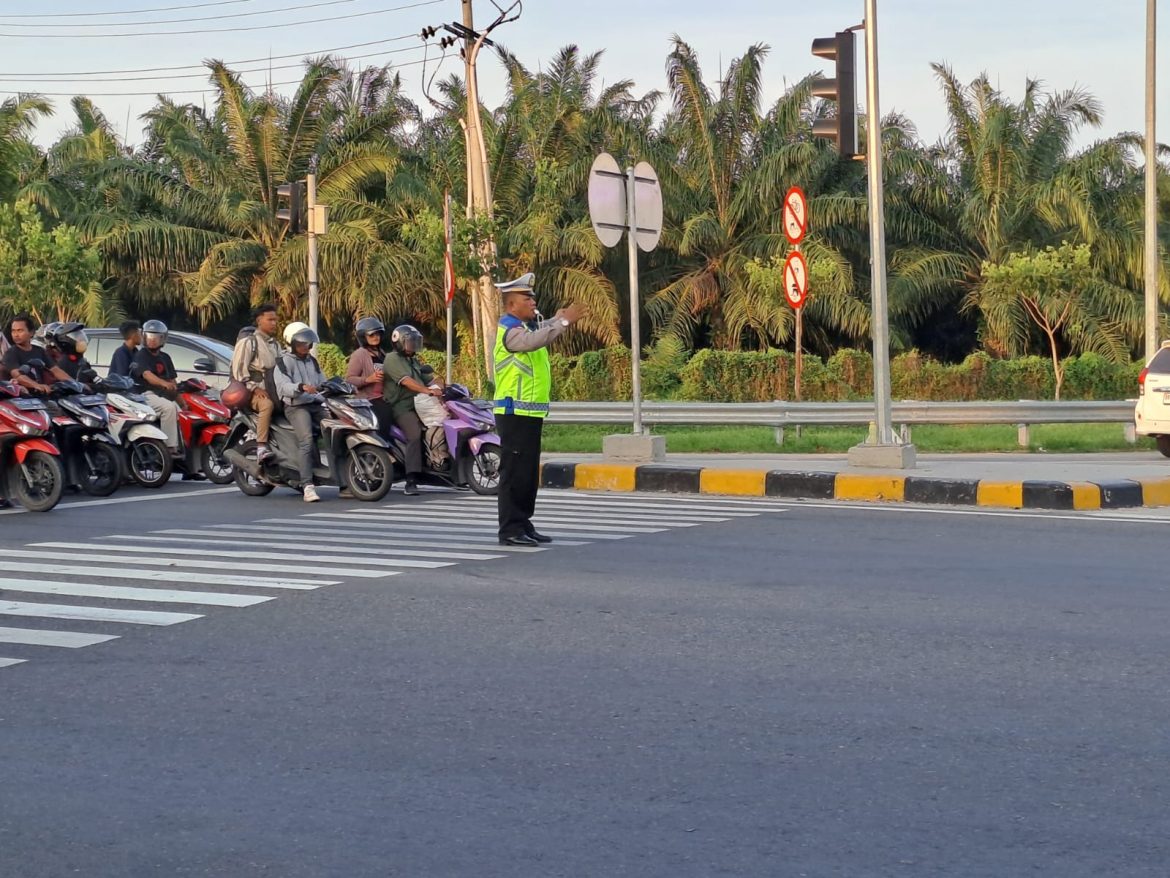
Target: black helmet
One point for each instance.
(368, 325)
(406, 339)
(304, 336)
(43, 337)
(69, 337)
(155, 328)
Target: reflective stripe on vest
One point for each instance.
(523, 379)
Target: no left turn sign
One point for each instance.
(795, 279)
(795, 215)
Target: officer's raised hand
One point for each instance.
(572, 314)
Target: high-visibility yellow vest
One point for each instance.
(523, 378)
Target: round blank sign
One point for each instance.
(607, 199)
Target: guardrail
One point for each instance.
(906, 415)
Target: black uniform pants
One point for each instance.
(519, 472)
(412, 429)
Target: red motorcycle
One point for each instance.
(30, 463)
(203, 429)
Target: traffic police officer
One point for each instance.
(523, 390)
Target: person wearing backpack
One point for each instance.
(253, 362)
(298, 380)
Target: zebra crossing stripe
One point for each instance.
(633, 516)
(127, 593)
(65, 639)
(312, 542)
(97, 557)
(93, 614)
(421, 514)
(298, 557)
(454, 529)
(7, 662)
(346, 537)
(175, 576)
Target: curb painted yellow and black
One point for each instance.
(660, 478)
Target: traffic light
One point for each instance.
(294, 214)
(842, 89)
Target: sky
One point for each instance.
(1098, 46)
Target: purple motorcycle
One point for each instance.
(473, 447)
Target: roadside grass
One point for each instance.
(1069, 438)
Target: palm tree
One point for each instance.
(196, 213)
(1005, 183)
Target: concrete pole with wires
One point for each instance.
(479, 186)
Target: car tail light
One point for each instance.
(1142, 380)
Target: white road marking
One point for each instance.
(7, 662)
(174, 576)
(421, 514)
(307, 542)
(115, 501)
(126, 593)
(455, 530)
(296, 557)
(607, 513)
(338, 533)
(701, 513)
(98, 557)
(66, 639)
(94, 614)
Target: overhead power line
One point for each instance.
(124, 11)
(183, 20)
(156, 92)
(223, 30)
(203, 74)
(41, 76)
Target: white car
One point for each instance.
(1152, 412)
(194, 356)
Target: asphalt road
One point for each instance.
(731, 688)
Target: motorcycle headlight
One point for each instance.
(28, 429)
(91, 420)
(362, 418)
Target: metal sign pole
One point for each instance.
(799, 346)
(314, 287)
(635, 299)
(446, 281)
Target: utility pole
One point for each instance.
(485, 304)
(1151, 256)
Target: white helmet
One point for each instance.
(292, 329)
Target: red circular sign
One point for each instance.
(795, 215)
(795, 279)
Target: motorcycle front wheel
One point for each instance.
(38, 483)
(215, 466)
(369, 472)
(103, 469)
(481, 471)
(150, 463)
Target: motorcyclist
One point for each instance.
(298, 377)
(27, 348)
(156, 379)
(71, 343)
(403, 381)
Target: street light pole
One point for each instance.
(1151, 255)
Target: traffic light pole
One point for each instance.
(314, 287)
(1151, 256)
(880, 450)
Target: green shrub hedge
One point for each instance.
(761, 376)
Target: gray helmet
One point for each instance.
(69, 337)
(406, 339)
(156, 329)
(43, 337)
(367, 325)
(304, 336)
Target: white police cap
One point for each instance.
(522, 284)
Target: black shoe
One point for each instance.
(539, 537)
(521, 540)
(411, 488)
(5, 504)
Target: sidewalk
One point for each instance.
(1017, 481)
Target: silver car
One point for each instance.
(194, 356)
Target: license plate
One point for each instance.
(29, 405)
(90, 400)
